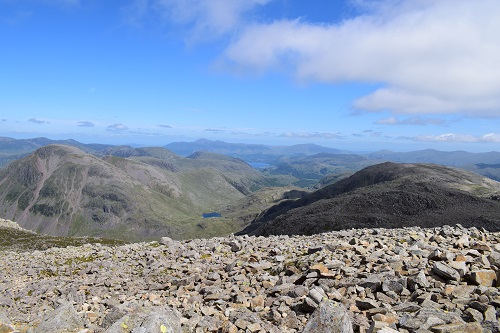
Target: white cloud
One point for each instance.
(430, 57)
(491, 137)
(388, 121)
(117, 128)
(453, 137)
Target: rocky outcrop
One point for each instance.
(442, 279)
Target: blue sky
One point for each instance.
(353, 74)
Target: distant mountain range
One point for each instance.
(303, 165)
(388, 195)
(252, 153)
(307, 164)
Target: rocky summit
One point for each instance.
(443, 279)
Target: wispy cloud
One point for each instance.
(117, 128)
(135, 12)
(202, 19)
(420, 121)
(323, 135)
(85, 124)
(256, 134)
(38, 121)
(164, 126)
(213, 130)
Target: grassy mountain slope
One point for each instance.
(389, 195)
(235, 171)
(60, 190)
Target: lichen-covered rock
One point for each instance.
(145, 320)
(64, 319)
(329, 317)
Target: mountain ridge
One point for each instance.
(388, 195)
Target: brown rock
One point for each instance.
(229, 327)
(484, 277)
(257, 301)
(458, 328)
(320, 268)
(389, 319)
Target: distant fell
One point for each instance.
(248, 152)
(449, 158)
(12, 149)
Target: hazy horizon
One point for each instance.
(347, 147)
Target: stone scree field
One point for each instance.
(443, 279)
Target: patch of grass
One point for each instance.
(480, 190)
(19, 240)
(80, 260)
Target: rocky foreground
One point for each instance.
(443, 279)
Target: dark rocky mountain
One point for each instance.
(388, 195)
(322, 169)
(61, 190)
